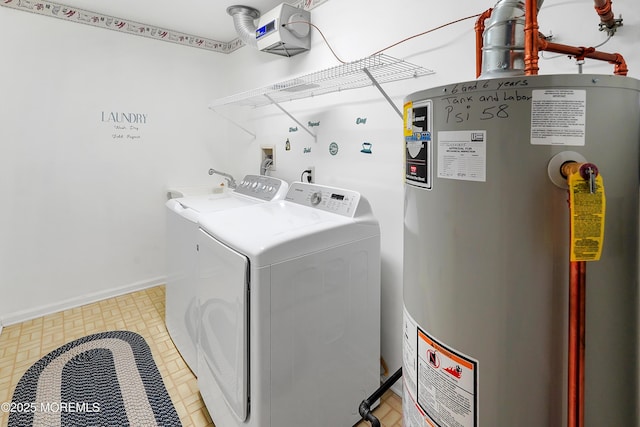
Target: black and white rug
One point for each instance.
(105, 379)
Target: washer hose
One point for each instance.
(365, 406)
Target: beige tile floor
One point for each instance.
(142, 312)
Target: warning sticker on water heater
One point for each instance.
(441, 384)
(558, 117)
(587, 206)
(417, 137)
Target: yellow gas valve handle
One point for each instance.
(586, 169)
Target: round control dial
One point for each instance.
(316, 198)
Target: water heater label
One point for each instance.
(558, 117)
(417, 138)
(440, 383)
(462, 154)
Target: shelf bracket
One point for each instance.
(291, 117)
(377, 85)
(235, 123)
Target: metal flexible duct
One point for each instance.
(243, 17)
(503, 40)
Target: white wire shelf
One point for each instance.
(352, 75)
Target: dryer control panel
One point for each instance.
(262, 187)
(330, 199)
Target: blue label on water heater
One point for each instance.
(418, 145)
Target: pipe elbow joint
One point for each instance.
(365, 412)
(620, 68)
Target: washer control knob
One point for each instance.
(316, 198)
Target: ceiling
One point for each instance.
(204, 18)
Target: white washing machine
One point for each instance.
(182, 228)
(289, 295)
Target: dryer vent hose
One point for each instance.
(365, 406)
(243, 21)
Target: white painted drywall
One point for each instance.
(82, 216)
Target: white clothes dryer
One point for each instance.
(289, 295)
(181, 316)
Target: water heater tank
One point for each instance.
(486, 251)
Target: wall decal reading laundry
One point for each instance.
(124, 117)
(125, 126)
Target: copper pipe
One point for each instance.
(479, 27)
(576, 277)
(572, 394)
(534, 42)
(582, 321)
(620, 68)
(531, 38)
(577, 318)
(576, 350)
(603, 7)
(570, 168)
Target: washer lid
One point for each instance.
(216, 202)
(276, 231)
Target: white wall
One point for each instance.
(83, 213)
(356, 29)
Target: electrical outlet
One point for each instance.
(311, 176)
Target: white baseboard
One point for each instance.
(397, 388)
(35, 312)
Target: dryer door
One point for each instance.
(223, 292)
